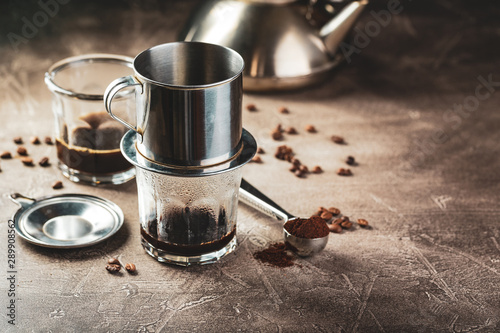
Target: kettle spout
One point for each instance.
(334, 31)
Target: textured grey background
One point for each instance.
(431, 262)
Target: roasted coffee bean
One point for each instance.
(57, 185)
(22, 151)
(344, 172)
(296, 162)
(326, 215)
(113, 268)
(299, 173)
(304, 169)
(276, 135)
(346, 225)
(28, 161)
(256, 159)
(114, 261)
(335, 228)
(310, 129)
(48, 140)
(293, 168)
(334, 211)
(44, 162)
(35, 140)
(337, 221)
(350, 160)
(130, 268)
(291, 130)
(337, 139)
(362, 222)
(279, 128)
(18, 140)
(318, 213)
(284, 110)
(6, 155)
(345, 219)
(317, 169)
(260, 151)
(251, 107)
(284, 153)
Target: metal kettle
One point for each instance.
(281, 48)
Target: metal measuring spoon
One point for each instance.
(304, 247)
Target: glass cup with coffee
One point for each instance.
(87, 138)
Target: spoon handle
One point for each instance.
(256, 199)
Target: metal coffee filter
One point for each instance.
(189, 98)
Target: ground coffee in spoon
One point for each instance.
(313, 227)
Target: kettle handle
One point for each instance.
(112, 89)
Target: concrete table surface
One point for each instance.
(418, 114)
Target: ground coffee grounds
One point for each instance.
(275, 255)
(313, 227)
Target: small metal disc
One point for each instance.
(67, 220)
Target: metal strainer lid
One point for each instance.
(247, 150)
(67, 220)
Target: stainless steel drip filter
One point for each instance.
(188, 147)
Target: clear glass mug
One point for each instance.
(87, 138)
(188, 220)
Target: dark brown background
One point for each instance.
(428, 184)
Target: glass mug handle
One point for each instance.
(113, 88)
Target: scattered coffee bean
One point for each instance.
(317, 169)
(296, 162)
(299, 173)
(318, 213)
(35, 140)
(57, 185)
(362, 223)
(251, 107)
(276, 135)
(113, 268)
(337, 139)
(344, 172)
(22, 151)
(28, 161)
(334, 211)
(326, 215)
(335, 228)
(293, 168)
(345, 219)
(350, 160)
(130, 268)
(6, 155)
(44, 162)
(114, 261)
(256, 159)
(260, 151)
(284, 153)
(291, 130)
(337, 221)
(48, 140)
(346, 225)
(279, 128)
(284, 110)
(310, 129)
(304, 169)
(18, 140)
